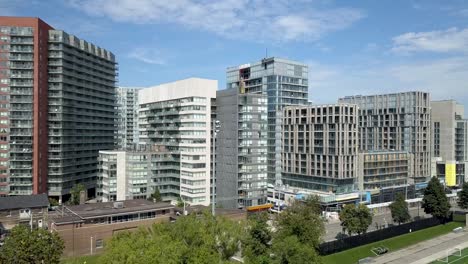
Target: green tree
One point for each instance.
(53, 202)
(298, 232)
(399, 209)
(355, 219)
(302, 219)
(180, 202)
(435, 200)
(24, 246)
(75, 194)
(291, 251)
(256, 244)
(191, 239)
(463, 196)
(156, 195)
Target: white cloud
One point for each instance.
(450, 40)
(147, 55)
(443, 78)
(260, 20)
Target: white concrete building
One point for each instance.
(175, 118)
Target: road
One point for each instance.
(333, 228)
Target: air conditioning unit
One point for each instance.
(118, 205)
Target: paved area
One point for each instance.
(426, 251)
(333, 228)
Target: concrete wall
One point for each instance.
(444, 113)
(227, 149)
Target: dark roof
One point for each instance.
(202, 208)
(24, 201)
(77, 213)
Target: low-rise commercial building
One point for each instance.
(86, 228)
(31, 210)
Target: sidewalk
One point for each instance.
(426, 251)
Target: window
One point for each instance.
(99, 243)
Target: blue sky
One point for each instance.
(352, 47)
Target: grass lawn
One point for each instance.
(355, 254)
(82, 260)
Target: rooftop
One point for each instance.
(22, 202)
(77, 213)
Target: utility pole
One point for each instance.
(216, 125)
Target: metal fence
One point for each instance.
(339, 245)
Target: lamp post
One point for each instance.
(216, 126)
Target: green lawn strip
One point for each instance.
(81, 260)
(455, 259)
(355, 254)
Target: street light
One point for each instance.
(183, 201)
(216, 127)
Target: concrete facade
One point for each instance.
(320, 150)
(176, 118)
(382, 169)
(449, 140)
(241, 149)
(285, 83)
(399, 121)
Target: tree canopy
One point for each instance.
(24, 246)
(463, 196)
(191, 239)
(435, 200)
(293, 237)
(257, 241)
(355, 219)
(75, 194)
(399, 209)
(156, 195)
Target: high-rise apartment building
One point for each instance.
(176, 117)
(449, 141)
(58, 110)
(23, 105)
(320, 150)
(397, 122)
(241, 149)
(127, 119)
(285, 83)
(81, 110)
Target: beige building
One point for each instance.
(382, 169)
(397, 122)
(449, 142)
(320, 147)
